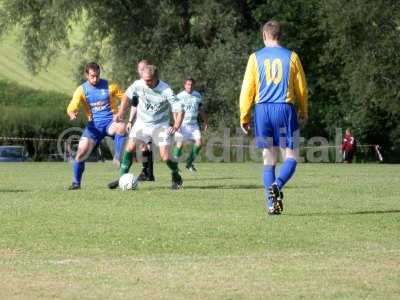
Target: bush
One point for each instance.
(30, 113)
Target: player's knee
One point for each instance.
(130, 146)
(164, 155)
(81, 154)
(290, 153)
(270, 162)
(270, 156)
(121, 129)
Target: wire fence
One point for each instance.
(215, 149)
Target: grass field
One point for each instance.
(339, 236)
(57, 77)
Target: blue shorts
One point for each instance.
(275, 124)
(97, 130)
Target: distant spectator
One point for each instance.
(349, 147)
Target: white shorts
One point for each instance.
(158, 134)
(188, 132)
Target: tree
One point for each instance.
(364, 46)
(118, 33)
(348, 49)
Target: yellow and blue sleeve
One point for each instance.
(299, 85)
(115, 93)
(77, 99)
(249, 94)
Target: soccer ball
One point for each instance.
(128, 182)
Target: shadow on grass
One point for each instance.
(211, 187)
(367, 212)
(224, 187)
(12, 191)
(215, 178)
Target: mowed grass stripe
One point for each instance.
(338, 236)
(12, 66)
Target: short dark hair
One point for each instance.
(273, 29)
(189, 79)
(92, 66)
(145, 61)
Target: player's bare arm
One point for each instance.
(73, 106)
(119, 116)
(245, 127)
(204, 118)
(73, 115)
(175, 114)
(178, 118)
(131, 120)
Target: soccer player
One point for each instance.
(190, 130)
(98, 98)
(147, 173)
(274, 78)
(156, 100)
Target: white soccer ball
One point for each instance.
(128, 182)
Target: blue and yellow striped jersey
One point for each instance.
(273, 75)
(99, 102)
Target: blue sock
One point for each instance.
(286, 172)
(268, 179)
(79, 167)
(119, 141)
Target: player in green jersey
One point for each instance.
(155, 102)
(190, 131)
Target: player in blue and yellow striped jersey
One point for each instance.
(274, 79)
(99, 100)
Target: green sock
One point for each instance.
(126, 163)
(193, 154)
(177, 152)
(172, 165)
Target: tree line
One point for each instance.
(349, 50)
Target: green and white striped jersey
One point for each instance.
(154, 104)
(191, 104)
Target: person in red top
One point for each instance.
(349, 146)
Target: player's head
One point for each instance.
(188, 85)
(141, 64)
(348, 131)
(150, 75)
(92, 73)
(272, 31)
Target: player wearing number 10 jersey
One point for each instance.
(274, 79)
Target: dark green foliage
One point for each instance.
(363, 51)
(31, 113)
(19, 95)
(349, 50)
